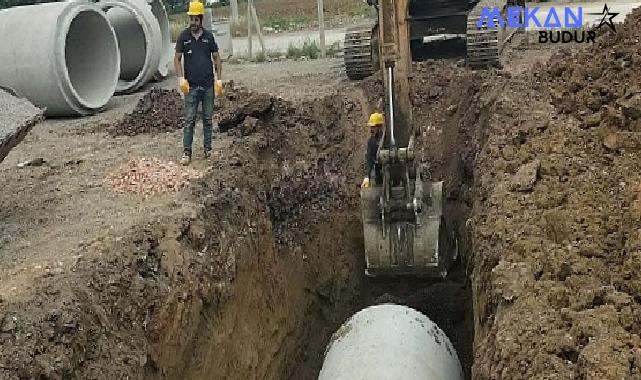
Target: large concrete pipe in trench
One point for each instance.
(139, 41)
(64, 58)
(389, 342)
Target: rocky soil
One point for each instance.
(555, 220)
(158, 111)
(149, 177)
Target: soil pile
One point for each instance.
(239, 107)
(556, 219)
(158, 111)
(606, 91)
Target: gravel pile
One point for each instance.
(17, 117)
(157, 111)
(149, 177)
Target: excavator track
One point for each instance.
(484, 45)
(358, 54)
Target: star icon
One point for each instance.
(607, 18)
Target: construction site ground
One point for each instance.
(49, 211)
(246, 272)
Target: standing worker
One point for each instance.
(200, 50)
(375, 124)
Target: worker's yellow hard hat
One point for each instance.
(375, 119)
(196, 8)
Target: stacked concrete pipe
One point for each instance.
(166, 54)
(139, 41)
(140, 22)
(390, 341)
(66, 61)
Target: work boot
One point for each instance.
(207, 153)
(186, 159)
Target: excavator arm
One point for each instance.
(396, 61)
(404, 228)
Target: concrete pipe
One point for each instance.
(387, 342)
(139, 41)
(66, 61)
(166, 55)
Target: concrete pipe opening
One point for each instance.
(131, 40)
(91, 75)
(72, 67)
(139, 42)
(390, 342)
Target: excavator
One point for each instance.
(405, 232)
(437, 29)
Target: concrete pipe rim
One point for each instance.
(166, 55)
(388, 341)
(76, 97)
(151, 31)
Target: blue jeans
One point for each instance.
(197, 95)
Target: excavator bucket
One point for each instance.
(404, 241)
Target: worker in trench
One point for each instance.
(372, 167)
(200, 51)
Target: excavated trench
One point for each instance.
(299, 272)
(261, 261)
(271, 263)
(552, 288)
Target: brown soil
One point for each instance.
(157, 111)
(556, 217)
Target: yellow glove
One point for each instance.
(218, 87)
(184, 85)
(365, 183)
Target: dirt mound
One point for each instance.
(311, 171)
(158, 111)
(605, 92)
(556, 218)
(239, 107)
(296, 186)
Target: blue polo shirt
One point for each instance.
(199, 70)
